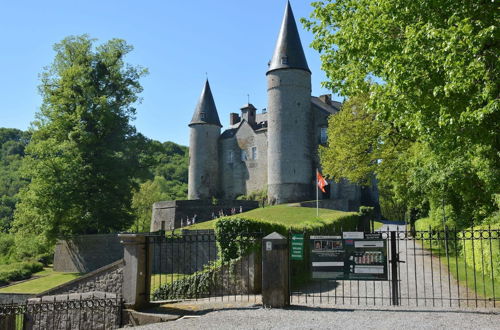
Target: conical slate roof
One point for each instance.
(205, 111)
(288, 53)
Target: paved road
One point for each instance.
(321, 317)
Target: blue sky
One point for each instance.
(178, 41)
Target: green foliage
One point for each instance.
(427, 73)
(12, 145)
(483, 252)
(232, 231)
(197, 285)
(81, 159)
(152, 191)
(163, 176)
(258, 195)
(18, 271)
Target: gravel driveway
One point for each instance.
(321, 317)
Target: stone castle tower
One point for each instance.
(290, 153)
(205, 128)
(274, 151)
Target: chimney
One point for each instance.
(234, 118)
(327, 98)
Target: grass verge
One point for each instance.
(47, 279)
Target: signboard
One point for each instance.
(297, 249)
(352, 256)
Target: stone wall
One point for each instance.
(86, 253)
(106, 279)
(167, 215)
(14, 298)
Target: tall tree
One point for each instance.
(81, 158)
(431, 71)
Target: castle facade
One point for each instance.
(275, 150)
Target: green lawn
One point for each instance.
(48, 279)
(287, 214)
(158, 280)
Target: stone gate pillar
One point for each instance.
(275, 286)
(135, 274)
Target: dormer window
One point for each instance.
(202, 116)
(284, 60)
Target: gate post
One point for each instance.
(135, 272)
(394, 270)
(275, 290)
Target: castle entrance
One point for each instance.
(393, 266)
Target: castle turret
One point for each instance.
(290, 154)
(203, 180)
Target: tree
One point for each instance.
(166, 167)
(81, 159)
(430, 69)
(12, 144)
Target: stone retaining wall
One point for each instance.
(86, 253)
(106, 279)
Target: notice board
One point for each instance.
(351, 256)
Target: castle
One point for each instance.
(276, 150)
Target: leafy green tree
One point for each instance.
(12, 145)
(430, 69)
(81, 159)
(165, 178)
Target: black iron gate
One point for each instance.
(449, 268)
(190, 265)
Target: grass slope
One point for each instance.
(47, 279)
(289, 215)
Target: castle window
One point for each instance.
(323, 135)
(254, 153)
(243, 155)
(230, 156)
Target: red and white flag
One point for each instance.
(320, 180)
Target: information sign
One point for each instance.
(352, 256)
(297, 249)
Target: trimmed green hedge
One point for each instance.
(483, 253)
(231, 232)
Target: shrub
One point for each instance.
(18, 271)
(482, 252)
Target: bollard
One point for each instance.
(275, 289)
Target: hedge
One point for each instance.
(482, 252)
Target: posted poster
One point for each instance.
(352, 256)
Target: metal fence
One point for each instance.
(70, 312)
(188, 265)
(448, 268)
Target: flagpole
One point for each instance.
(317, 195)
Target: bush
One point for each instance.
(18, 271)
(231, 231)
(477, 251)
